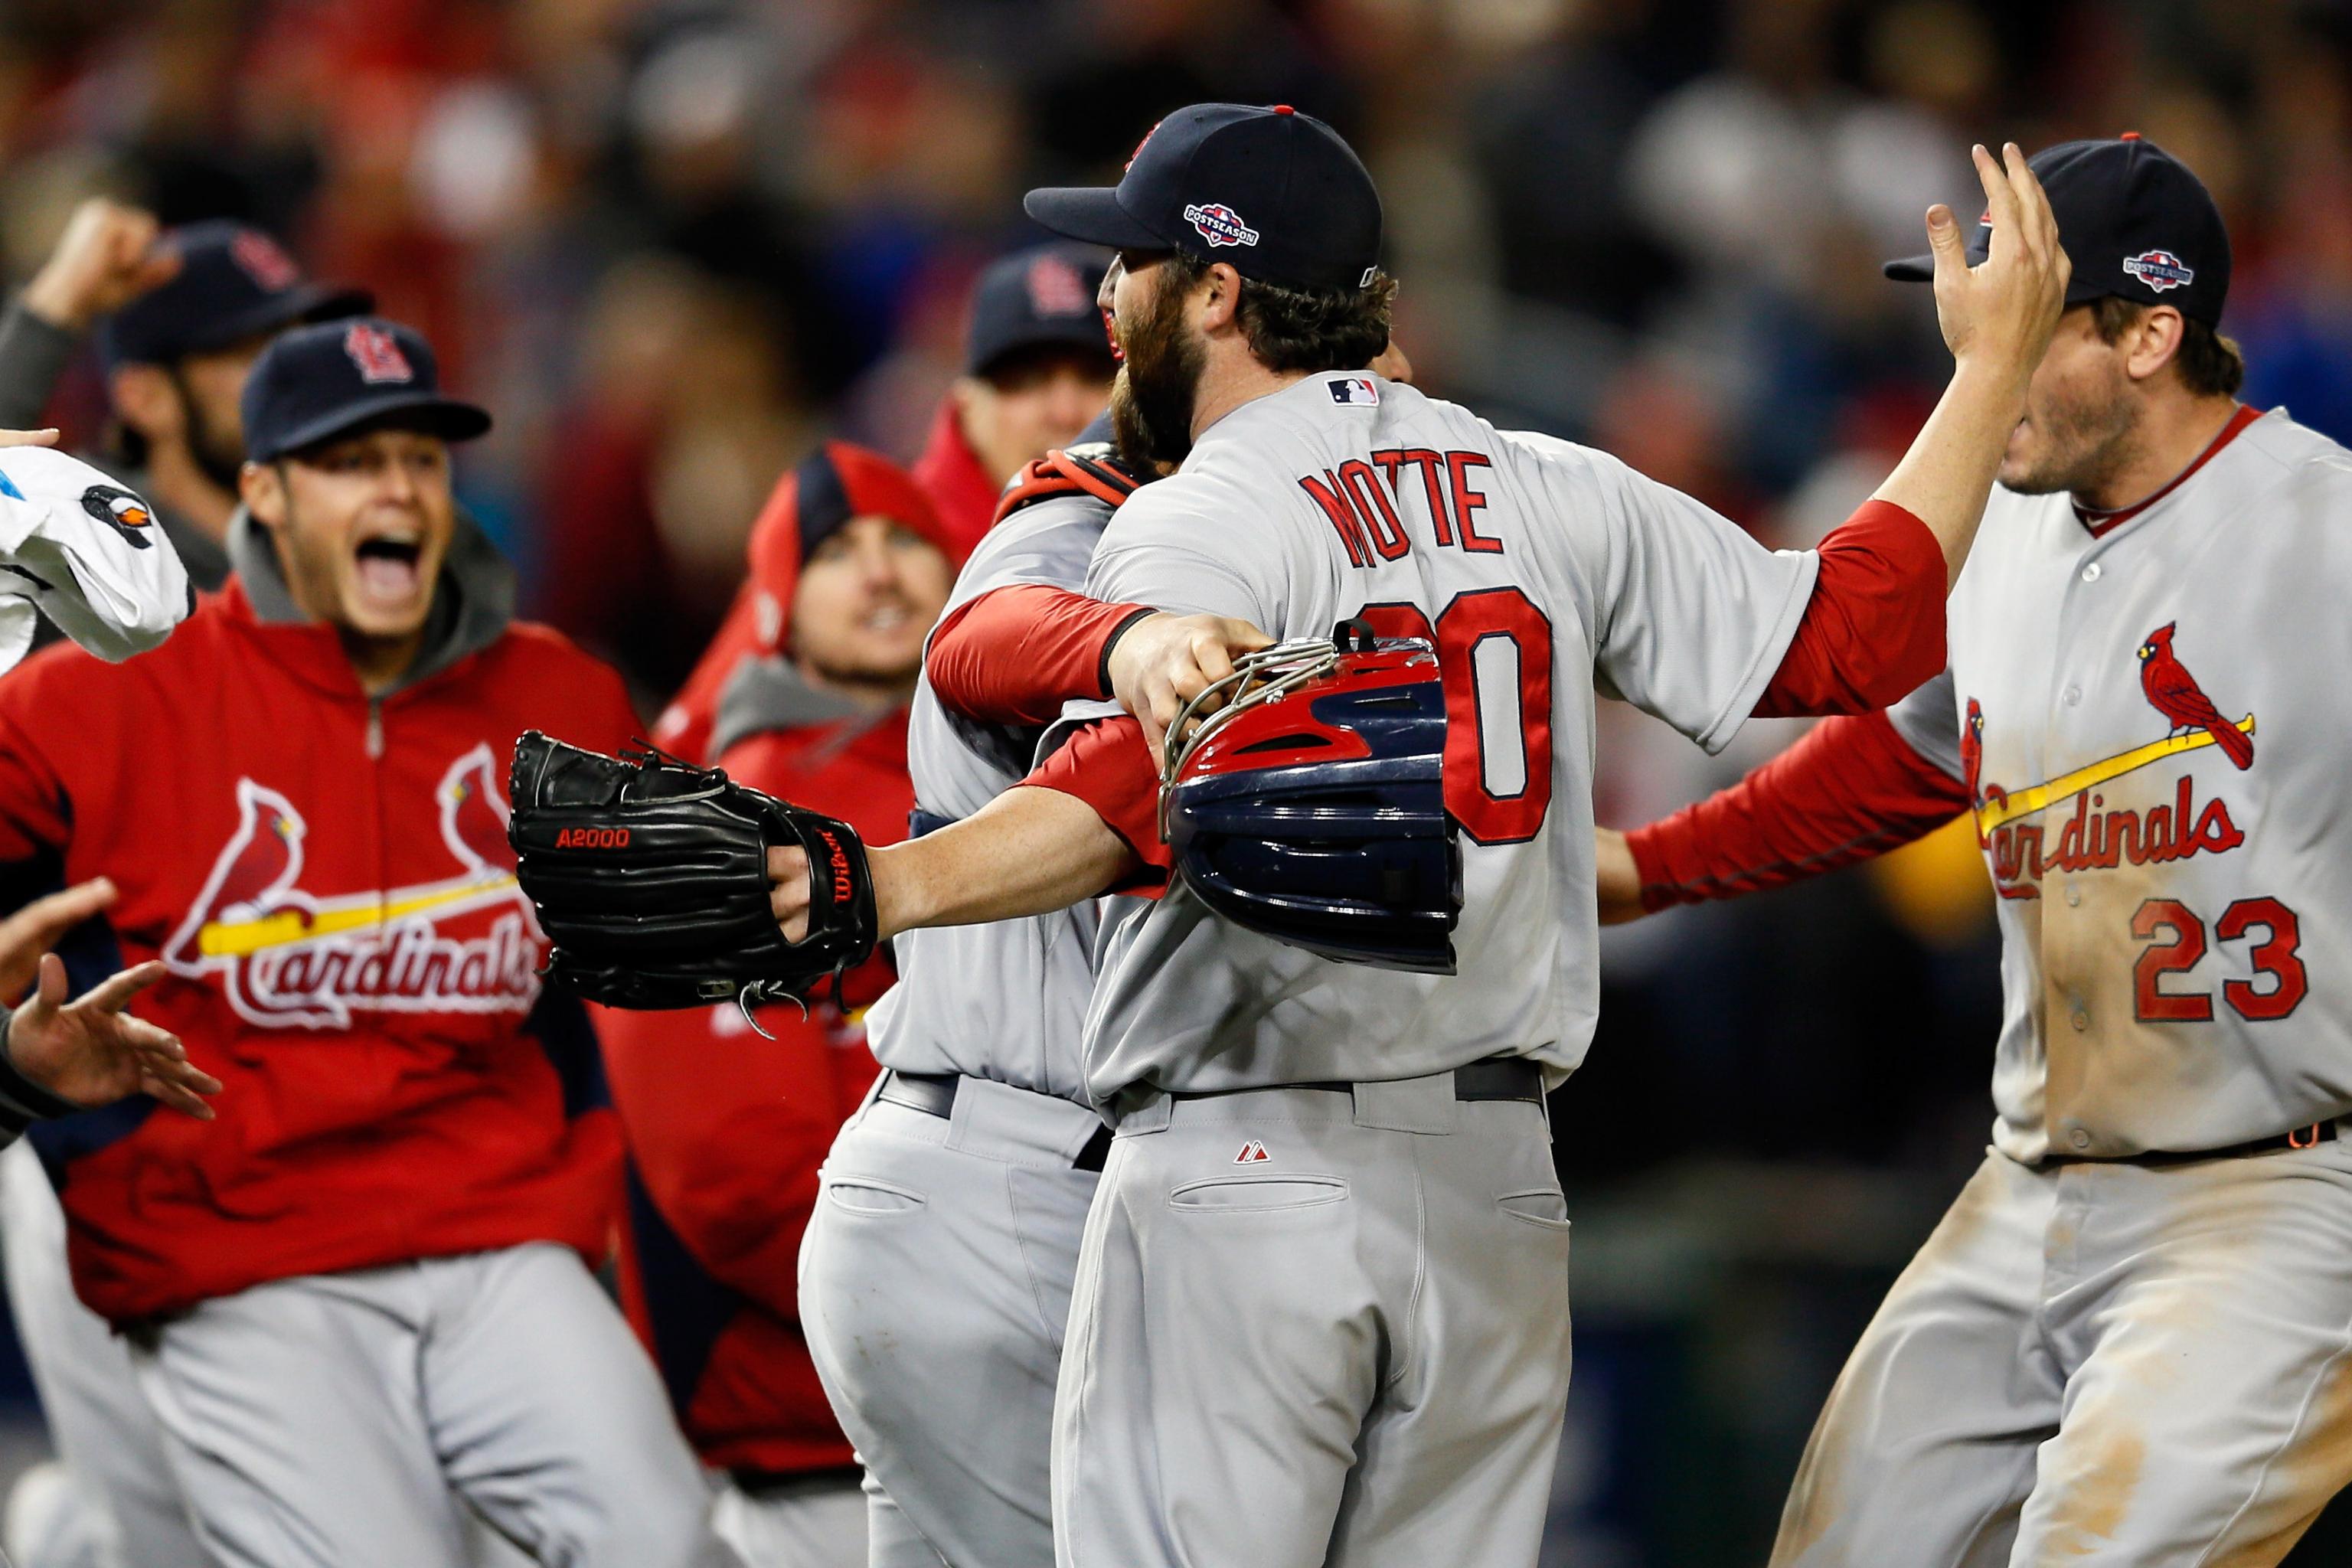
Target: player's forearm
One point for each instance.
(1030, 851)
(1014, 655)
(1851, 789)
(1947, 476)
(34, 352)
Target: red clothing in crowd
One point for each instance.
(726, 1130)
(328, 880)
(960, 489)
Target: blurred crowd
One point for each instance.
(675, 244)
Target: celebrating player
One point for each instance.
(2127, 1340)
(726, 1130)
(1350, 1340)
(360, 1295)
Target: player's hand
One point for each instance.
(47, 438)
(1618, 879)
(1163, 661)
(2002, 312)
(93, 1053)
(788, 897)
(107, 258)
(38, 926)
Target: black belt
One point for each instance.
(1497, 1078)
(934, 1094)
(772, 1484)
(2310, 1137)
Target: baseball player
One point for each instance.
(726, 1130)
(181, 316)
(1036, 367)
(2126, 1342)
(1322, 1306)
(361, 1296)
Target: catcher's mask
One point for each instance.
(1310, 809)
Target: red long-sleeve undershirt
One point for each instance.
(1873, 629)
(1851, 788)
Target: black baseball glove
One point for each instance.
(651, 877)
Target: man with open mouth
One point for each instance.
(361, 1309)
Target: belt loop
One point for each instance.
(1141, 1107)
(1407, 1105)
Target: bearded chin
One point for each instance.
(1151, 401)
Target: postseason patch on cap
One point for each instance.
(1219, 224)
(1354, 390)
(2159, 269)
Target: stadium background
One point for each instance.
(672, 245)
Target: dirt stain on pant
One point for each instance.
(2094, 1495)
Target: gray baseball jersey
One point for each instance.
(1541, 570)
(2146, 717)
(1005, 1001)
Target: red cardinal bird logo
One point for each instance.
(2174, 693)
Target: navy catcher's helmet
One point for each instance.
(1310, 807)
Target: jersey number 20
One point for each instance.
(1493, 654)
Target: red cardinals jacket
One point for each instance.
(726, 1130)
(328, 880)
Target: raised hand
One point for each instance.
(2004, 310)
(107, 258)
(93, 1053)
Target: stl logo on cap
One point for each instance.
(259, 258)
(2159, 269)
(1219, 224)
(376, 354)
(1056, 290)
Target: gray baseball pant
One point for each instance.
(935, 1281)
(1316, 1326)
(2097, 1364)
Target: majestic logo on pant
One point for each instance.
(1253, 1153)
(289, 959)
(2092, 837)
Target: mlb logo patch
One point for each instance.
(376, 354)
(2159, 269)
(1354, 390)
(1219, 224)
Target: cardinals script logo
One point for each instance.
(2093, 838)
(289, 960)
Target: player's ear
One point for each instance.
(2154, 339)
(262, 488)
(1221, 300)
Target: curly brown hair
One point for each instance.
(1305, 329)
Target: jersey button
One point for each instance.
(2074, 895)
(2080, 1137)
(2073, 697)
(2082, 1020)
(2091, 572)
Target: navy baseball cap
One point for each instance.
(1037, 298)
(1274, 193)
(234, 283)
(324, 380)
(2134, 222)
